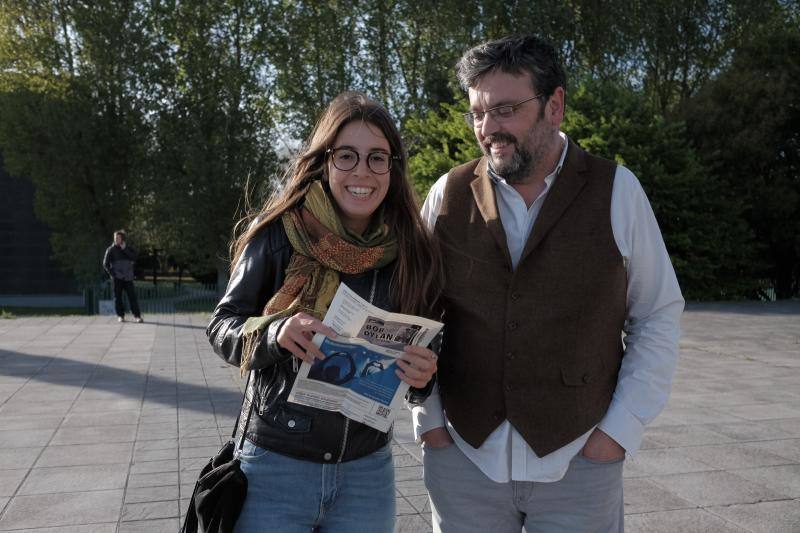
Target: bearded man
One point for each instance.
(551, 254)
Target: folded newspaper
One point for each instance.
(357, 377)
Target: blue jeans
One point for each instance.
(293, 496)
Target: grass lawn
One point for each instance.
(13, 311)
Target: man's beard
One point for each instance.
(520, 166)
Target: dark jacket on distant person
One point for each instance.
(118, 263)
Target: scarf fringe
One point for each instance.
(250, 342)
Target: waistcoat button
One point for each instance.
(587, 378)
(327, 456)
(515, 296)
(509, 355)
(509, 387)
(512, 326)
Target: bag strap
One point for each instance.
(249, 413)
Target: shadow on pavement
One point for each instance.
(173, 325)
(780, 307)
(126, 383)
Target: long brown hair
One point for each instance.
(418, 277)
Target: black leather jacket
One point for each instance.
(287, 428)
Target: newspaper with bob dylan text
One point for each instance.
(357, 377)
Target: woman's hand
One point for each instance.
(296, 334)
(417, 366)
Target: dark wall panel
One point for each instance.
(26, 266)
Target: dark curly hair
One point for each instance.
(514, 55)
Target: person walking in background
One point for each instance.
(347, 214)
(550, 255)
(118, 264)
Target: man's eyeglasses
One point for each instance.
(347, 159)
(501, 112)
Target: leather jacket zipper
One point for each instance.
(374, 284)
(347, 420)
(344, 439)
(260, 387)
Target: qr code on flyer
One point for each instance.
(383, 411)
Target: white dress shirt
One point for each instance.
(652, 328)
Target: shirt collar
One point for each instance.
(496, 178)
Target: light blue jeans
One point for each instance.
(295, 496)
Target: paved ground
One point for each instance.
(103, 426)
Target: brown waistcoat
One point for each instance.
(541, 345)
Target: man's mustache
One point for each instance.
(499, 137)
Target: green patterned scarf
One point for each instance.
(323, 248)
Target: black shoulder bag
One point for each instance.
(220, 490)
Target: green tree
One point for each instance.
(681, 45)
(145, 115)
(425, 41)
(212, 131)
(154, 114)
(711, 247)
(72, 118)
(746, 125)
(438, 141)
(314, 53)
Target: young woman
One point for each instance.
(347, 214)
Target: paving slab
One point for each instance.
(19, 457)
(784, 480)
(91, 528)
(764, 517)
(169, 525)
(705, 489)
(684, 520)
(10, 480)
(67, 479)
(73, 508)
(104, 426)
(740, 455)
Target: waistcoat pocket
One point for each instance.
(581, 377)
